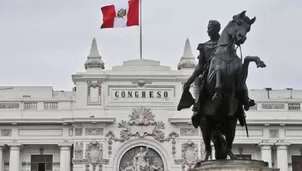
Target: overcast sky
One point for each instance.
(43, 42)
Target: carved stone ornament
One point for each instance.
(273, 106)
(141, 116)
(94, 155)
(141, 83)
(6, 132)
(78, 131)
(189, 155)
(94, 97)
(141, 158)
(188, 132)
(94, 131)
(9, 105)
(78, 150)
(274, 133)
(143, 122)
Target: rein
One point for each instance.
(228, 45)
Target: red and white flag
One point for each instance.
(121, 15)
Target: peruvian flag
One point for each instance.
(121, 15)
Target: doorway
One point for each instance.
(297, 163)
(41, 163)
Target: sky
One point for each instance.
(42, 43)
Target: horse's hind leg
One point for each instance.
(206, 135)
(218, 86)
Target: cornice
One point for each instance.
(57, 121)
(249, 122)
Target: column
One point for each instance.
(282, 156)
(14, 158)
(1, 159)
(266, 153)
(65, 158)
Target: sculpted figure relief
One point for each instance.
(222, 94)
(128, 167)
(141, 158)
(156, 166)
(140, 161)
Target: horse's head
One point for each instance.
(239, 27)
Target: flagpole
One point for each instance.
(140, 30)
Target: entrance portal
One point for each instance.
(297, 163)
(41, 162)
(141, 158)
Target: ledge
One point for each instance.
(93, 120)
(57, 121)
(180, 121)
(280, 122)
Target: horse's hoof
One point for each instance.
(232, 156)
(261, 64)
(252, 102)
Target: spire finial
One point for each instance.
(94, 52)
(94, 59)
(187, 60)
(188, 50)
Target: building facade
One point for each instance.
(125, 119)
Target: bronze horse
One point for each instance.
(225, 90)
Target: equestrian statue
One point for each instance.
(221, 77)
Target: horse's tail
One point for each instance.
(220, 144)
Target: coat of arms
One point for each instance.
(121, 13)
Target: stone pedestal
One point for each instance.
(232, 165)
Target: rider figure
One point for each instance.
(205, 52)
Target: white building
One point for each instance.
(113, 114)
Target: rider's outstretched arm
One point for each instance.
(198, 69)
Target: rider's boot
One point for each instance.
(196, 117)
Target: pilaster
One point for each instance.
(282, 155)
(266, 152)
(14, 159)
(65, 157)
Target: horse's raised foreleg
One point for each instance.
(243, 76)
(245, 66)
(218, 86)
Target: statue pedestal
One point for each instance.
(232, 165)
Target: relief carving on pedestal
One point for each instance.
(141, 158)
(189, 155)
(94, 156)
(141, 124)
